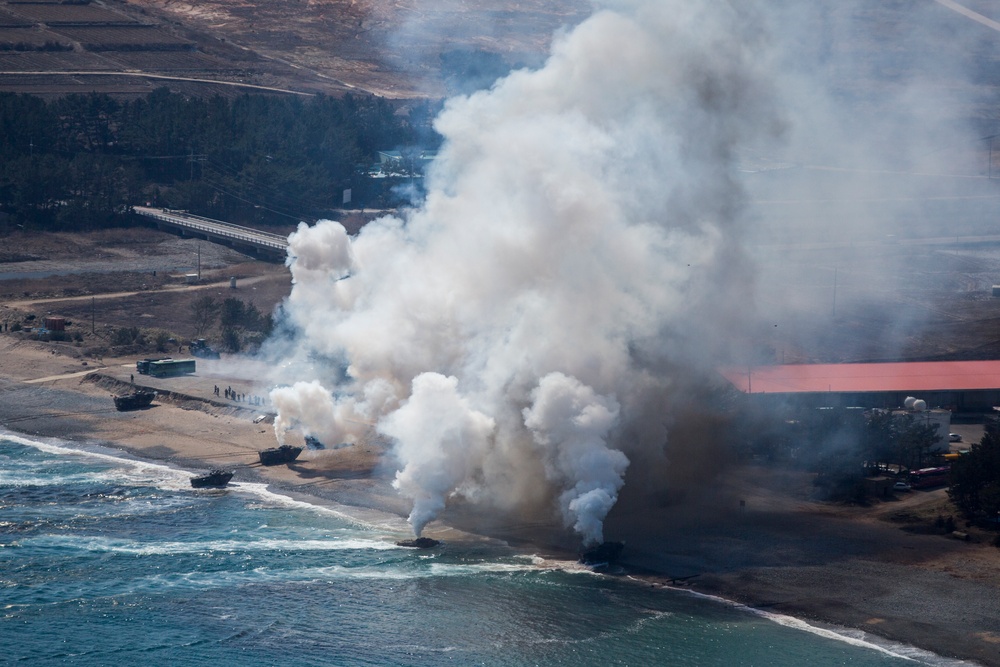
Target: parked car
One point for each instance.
(900, 486)
(954, 437)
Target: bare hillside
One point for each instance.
(391, 49)
(396, 50)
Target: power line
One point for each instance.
(219, 188)
(284, 199)
(272, 197)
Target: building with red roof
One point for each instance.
(959, 385)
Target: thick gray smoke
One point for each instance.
(513, 334)
(888, 109)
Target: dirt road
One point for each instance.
(27, 303)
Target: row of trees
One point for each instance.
(852, 446)
(845, 445)
(827, 438)
(975, 477)
(82, 160)
(242, 324)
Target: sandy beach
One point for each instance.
(753, 543)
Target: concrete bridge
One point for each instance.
(271, 247)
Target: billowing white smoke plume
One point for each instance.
(441, 439)
(513, 335)
(570, 422)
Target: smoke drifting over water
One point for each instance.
(525, 333)
(507, 334)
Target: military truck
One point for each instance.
(201, 349)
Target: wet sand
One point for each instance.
(770, 551)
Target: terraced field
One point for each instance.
(329, 46)
(54, 14)
(124, 37)
(52, 49)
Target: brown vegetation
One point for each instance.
(145, 297)
(330, 47)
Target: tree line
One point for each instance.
(81, 161)
(844, 446)
(975, 479)
(243, 325)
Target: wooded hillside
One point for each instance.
(81, 161)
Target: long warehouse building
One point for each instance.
(961, 386)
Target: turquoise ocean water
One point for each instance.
(108, 561)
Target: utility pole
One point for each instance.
(199, 261)
(989, 166)
(93, 308)
(834, 292)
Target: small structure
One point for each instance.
(55, 323)
(996, 290)
(409, 162)
(937, 418)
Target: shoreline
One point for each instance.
(349, 513)
(797, 560)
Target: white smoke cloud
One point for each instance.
(440, 437)
(312, 407)
(579, 236)
(571, 423)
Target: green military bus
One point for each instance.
(171, 367)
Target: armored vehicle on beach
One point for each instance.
(278, 455)
(602, 556)
(135, 400)
(314, 443)
(215, 479)
(419, 543)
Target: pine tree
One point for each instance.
(975, 477)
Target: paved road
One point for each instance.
(968, 13)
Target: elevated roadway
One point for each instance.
(265, 245)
